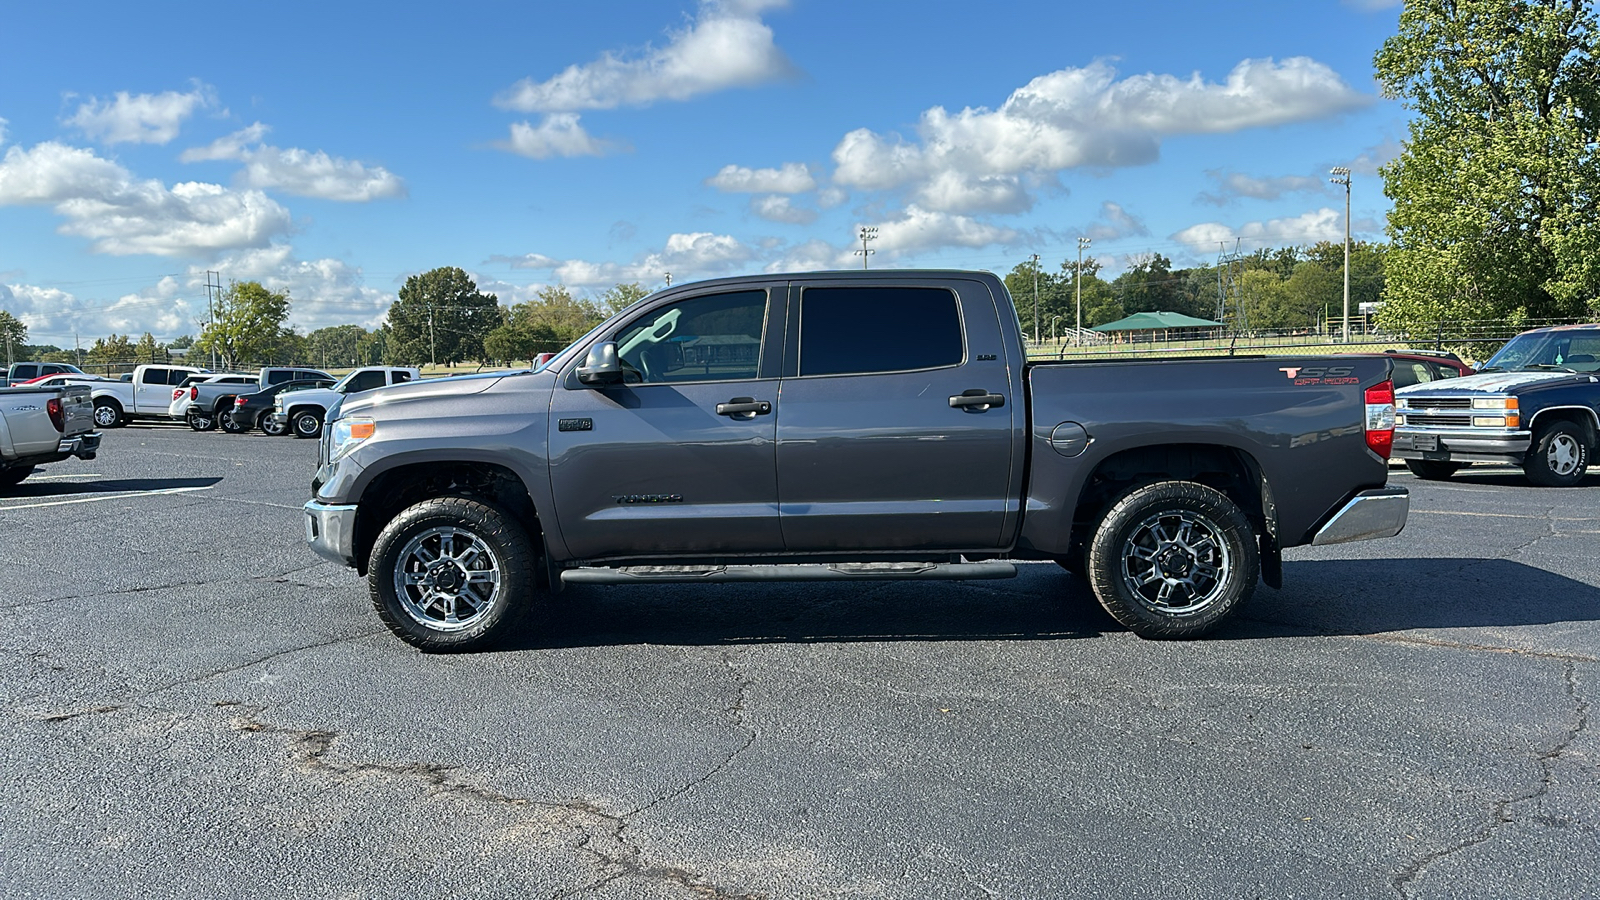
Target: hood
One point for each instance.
(426, 389)
(1490, 383)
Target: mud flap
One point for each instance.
(1271, 562)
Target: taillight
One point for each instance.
(1380, 418)
(194, 393)
(57, 416)
(238, 402)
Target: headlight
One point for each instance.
(1494, 403)
(345, 434)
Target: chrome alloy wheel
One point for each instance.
(1563, 455)
(446, 578)
(1176, 562)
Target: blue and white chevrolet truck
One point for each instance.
(1535, 404)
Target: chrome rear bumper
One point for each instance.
(1371, 514)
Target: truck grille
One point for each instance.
(1442, 419)
(1442, 403)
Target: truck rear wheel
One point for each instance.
(13, 476)
(1432, 469)
(201, 420)
(1558, 458)
(451, 574)
(1173, 559)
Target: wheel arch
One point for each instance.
(1232, 471)
(386, 493)
(1582, 416)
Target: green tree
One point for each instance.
(1493, 194)
(336, 346)
(148, 350)
(546, 324)
(248, 327)
(440, 316)
(622, 296)
(114, 349)
(13, 335)
(181, 342)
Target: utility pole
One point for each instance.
(211, 311)
(1077, 337)
(1038, 336)
(431, 352)
(868, 233)
(1342, 176)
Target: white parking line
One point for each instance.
(120, 495)
(33, 478)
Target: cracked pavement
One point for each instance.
(196, 707)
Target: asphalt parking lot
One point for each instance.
(196, 706)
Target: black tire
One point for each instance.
(225, 419)
(108, 413)
(273, 428)
(201, 420)
(306, 423)
(13, 476)
(411, 553)
(1432, 469)
(1559, 456)
(1173, 559)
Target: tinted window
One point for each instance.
(280, 377)
(711, 338)
(154, 376)
(401, 376)
(364, 381)
(23, 372)
(878, 329)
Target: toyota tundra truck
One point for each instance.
(832, 426)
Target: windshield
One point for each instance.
(1574, 350)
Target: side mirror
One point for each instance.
(601, 367)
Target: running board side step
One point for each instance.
(908, 571)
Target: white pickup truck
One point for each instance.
(147, 396)
(302, 411)
(40, 425)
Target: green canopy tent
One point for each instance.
(1159, 326)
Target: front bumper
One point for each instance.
(331, 531)
(276, 418)
(1369, 515)
(1476, 445)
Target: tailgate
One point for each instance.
(77, 408)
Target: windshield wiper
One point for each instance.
(1491, 369)
(1551, 366)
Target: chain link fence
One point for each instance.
(1473, 341)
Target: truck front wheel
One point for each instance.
(1558, 458)
(1432, 469)
(451, 574)
(306, 423)
(1173, 559)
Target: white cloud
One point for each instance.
(812, 256)
(1233, 185)
(972, 160)
(727, 46)
(687, 256)
(1115, 222)
(138, 118)
(299, 172)
(793, 178)
(322, 292)
(558, 135)
(1308, 228)
(916, 230)
(122, 215)
(777, 208)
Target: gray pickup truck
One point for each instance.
(40, 425)
(831, 426)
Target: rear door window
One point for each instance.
(859, 330)
(364, 381)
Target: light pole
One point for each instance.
(1036, 329)
(1053, 321)
(1077, 336)
(868, 233)
(1341, 175)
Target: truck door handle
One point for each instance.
(979, 398)
(744, 408)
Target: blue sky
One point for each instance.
(333, 149)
